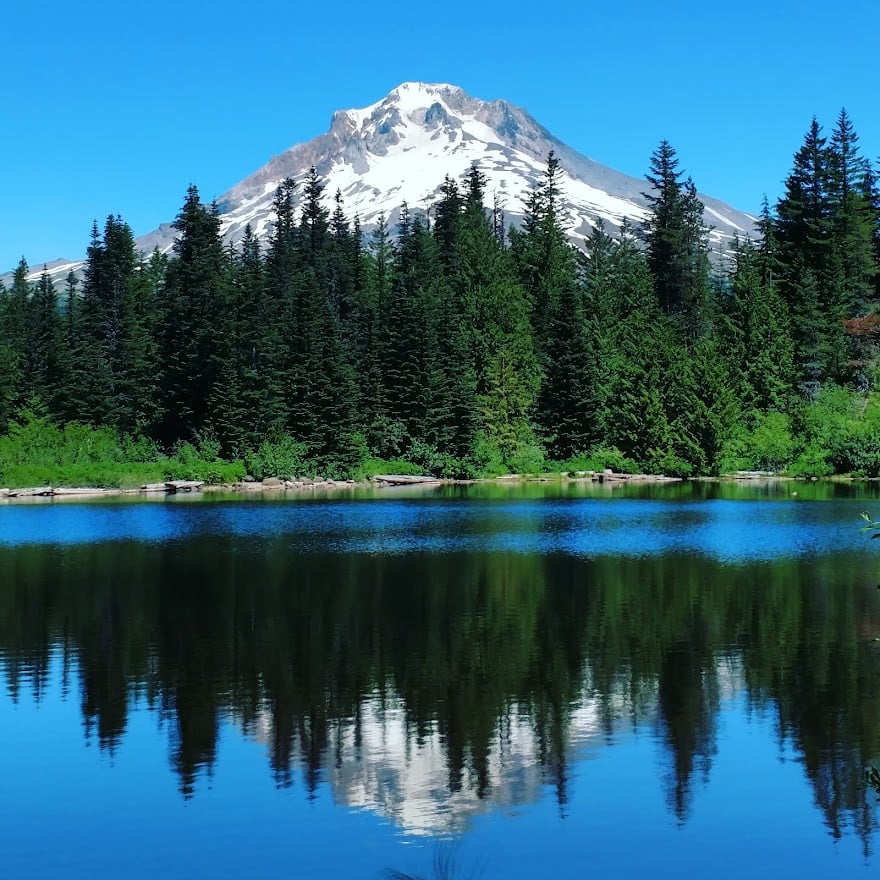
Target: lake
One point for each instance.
(525, 681)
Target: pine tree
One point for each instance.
(318, 372)
(9, 370)
(676, 244)
(803, 234)
(110, 331)
(16, 332)
(494, 311)
(853, 230)
(374, 292)
(544, 259)
(193, 341)
(49, 355)
(635, 358)
(765, 350)
(565, 336)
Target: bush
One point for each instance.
(373, 466)
(814, 461)
(768, 446)
(527, 458)
(282, 457)
(669, 464)
(600, 458)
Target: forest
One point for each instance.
(457, 344)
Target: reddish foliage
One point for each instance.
(868, 326)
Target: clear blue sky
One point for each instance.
(118, 107)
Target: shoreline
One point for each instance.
(275, 487)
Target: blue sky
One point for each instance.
(117, 107)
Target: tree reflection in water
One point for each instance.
(494, 668)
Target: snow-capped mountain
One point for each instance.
(401, 148)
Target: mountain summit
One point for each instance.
(401, 148)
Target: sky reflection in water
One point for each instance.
(564, 687)
(725, 530)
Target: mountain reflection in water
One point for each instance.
(436, 687)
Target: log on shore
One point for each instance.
(403, 479)
(85, 491)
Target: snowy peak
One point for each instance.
(401, 148)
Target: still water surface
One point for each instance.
(544, 682)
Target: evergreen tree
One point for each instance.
(635, 358)
(765, 350)
(322, 391)
(49, 354)
(803, 235)
(194, 341)
(16, 332)
(676, 244)
(495, 310)
(110, 331)
(251, 384)
(544, 259)
(853, 230)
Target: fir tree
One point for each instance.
(803, 234)
(676, 243)
(194, 339)
(765, 350)
(49, 354)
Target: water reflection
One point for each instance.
(433, 686)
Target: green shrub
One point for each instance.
(372, 466)
(669, 464)
(600, 458)
(813, 461)
(282, 457)
(527, 458)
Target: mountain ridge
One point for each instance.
(400, 148)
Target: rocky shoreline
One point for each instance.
(276, 486)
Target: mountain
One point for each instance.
(401, 148)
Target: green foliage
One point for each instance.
(188, 464)
(373, 466)
(37, 441)
(843, 429)
(461, 348)
(282, 457)
(813, 461)
(38, 452)
(601, 458)
(669, 463)
(768, 446)
(443, 464)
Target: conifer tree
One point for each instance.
(322, 391)
(16, 332)
(803, 234)
(250, 381)
(495, 310)
(635, 359)
(853, 230)
(565, 334)
(49, 354)
(194, 342)
(764, 350)
(676, 244)
(544, 259)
